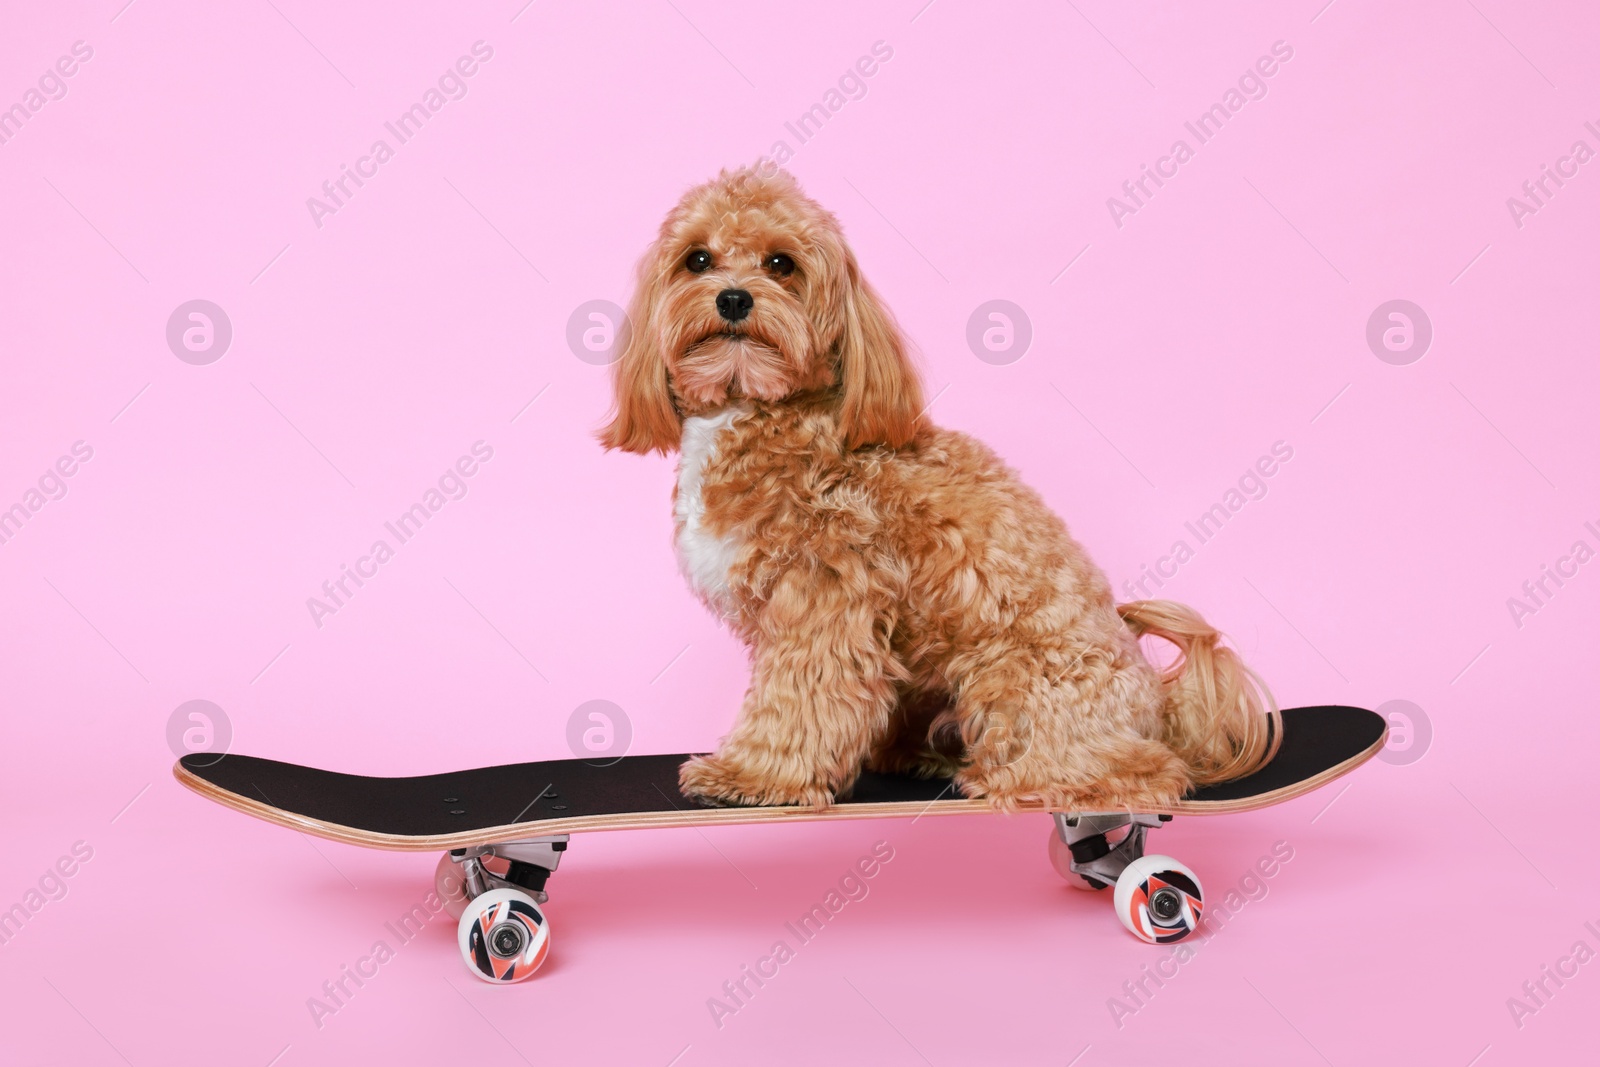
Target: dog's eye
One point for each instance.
(779, 264)
(699, 261)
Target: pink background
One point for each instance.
(368, 354)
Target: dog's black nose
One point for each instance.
(734, 304)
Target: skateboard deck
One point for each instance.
(520, 801)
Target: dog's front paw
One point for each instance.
(721, 781)
(705, 780)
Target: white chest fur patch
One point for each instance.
(704, 558)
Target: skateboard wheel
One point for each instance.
(1159, 899)
(450, 886)
(1061, 860)
(503, 936)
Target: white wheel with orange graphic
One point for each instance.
(1159, 900)
(503, 935)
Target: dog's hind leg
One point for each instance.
(1076, 731)
(820, 696)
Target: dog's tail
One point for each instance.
(1220, 717)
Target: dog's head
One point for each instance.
(750, 292)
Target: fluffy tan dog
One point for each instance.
(909, 605)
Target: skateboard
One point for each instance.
(503, 830)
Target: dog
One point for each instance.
(908, 604)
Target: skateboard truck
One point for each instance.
(529, 865)
(1156, 897)
(1093, 857)
(494, 892)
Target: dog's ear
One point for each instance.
(643, 418)
(882, 394)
